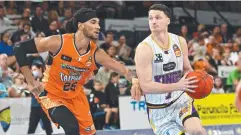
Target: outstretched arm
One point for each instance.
(103, 59)
(35, 45)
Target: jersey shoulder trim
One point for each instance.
(61, 46)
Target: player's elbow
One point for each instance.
(145, 86)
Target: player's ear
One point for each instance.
(80, 25)
(169, 21)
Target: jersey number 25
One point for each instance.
(69, 86)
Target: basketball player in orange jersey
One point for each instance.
(72, 61)
(164, 58)
(238, 96)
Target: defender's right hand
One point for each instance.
(136, 91)
(187, 84)
(35, 88)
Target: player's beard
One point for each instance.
(88, 35)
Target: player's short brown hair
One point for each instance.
(161, 7)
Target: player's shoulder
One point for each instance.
(144, 45)
(67, 36)
(93, 46)
(144, 42)
(54, 40)
(93, 43)
(51, 38)
(178, 38)
(172, 34)
(175, 35)
(50, 43)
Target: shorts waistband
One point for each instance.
(160, 106)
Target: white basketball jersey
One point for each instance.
(167, 67)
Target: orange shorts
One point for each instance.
(79, 106)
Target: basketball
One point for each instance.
(205, 84)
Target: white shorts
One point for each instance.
(169, 120)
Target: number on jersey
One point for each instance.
(69, 86)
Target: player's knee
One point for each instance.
(65, 118)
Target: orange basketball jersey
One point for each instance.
(67, 71)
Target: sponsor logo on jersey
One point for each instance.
(79, 59)
(183, 111)
(172, 77)
(158, 58)
(65, 66)
(66, 58)
(169, 66)
(89, 62)
(73, 76)
(177, 50)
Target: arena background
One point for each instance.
(212, 30)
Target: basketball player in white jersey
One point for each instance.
(161, 60)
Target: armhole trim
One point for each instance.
(61, 46)
(181, 45)
(96, 64)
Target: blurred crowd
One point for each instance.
(209, 48)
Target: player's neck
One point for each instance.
(81, 41)
(161, 38)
